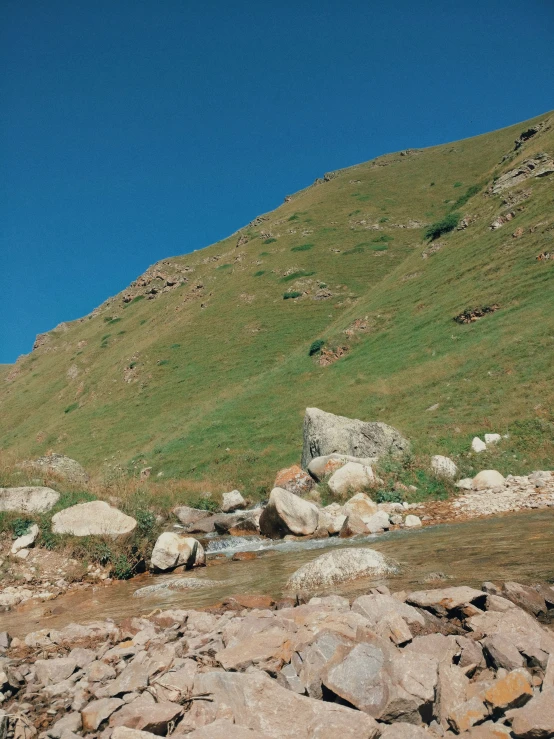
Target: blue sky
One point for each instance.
(140, 129)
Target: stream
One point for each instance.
(516, 547)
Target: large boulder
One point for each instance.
(325, 433)
(28, 499)
(96, 518)
(331, 518)
(173, 550)
(342, 565)
(351, 478)
(60, 466)
(286, 513)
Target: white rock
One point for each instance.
(28, 499)
(492, 438)
(352, 478)
(331, 518)
(22, 554)
(412, 521)
(340, 566)
(27, 540)
(477, 445)
(232, 501)
(488, 479)
(377, 522)
(443, 466)
(465, 484)
(172, 550)
(96, 518)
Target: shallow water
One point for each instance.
(512, 547)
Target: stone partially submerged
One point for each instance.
(343, 565)
(325, 433)
(96, 518)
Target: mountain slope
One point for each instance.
(201, 368)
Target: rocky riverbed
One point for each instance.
(429, 663)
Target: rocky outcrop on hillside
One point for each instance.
(431, 663)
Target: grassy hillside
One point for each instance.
(202, 367)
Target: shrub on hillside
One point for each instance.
(316, 347)
(302, 247)
(439, 228)
(469, 193)
(292, 295)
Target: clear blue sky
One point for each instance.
(133, 130)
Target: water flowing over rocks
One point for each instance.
(399, 666)
(28, 499)
(95, 518)
(326, 433)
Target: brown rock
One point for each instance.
(353, 526)
(511, 691)
(502, 651)
(294, 479)
(244, 556)
(525, 597)
(443, 600)
(250, 601)
(467, 714)
(223, 729)
(97, 712)
(268, 650)
(146, 715)
(257, 702)
(536, 719)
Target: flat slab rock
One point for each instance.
(443, 600)
(96, 518)
(28, 499)
(257, 702)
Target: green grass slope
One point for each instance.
(202, 367)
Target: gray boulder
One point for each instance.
(286, 513)
(325, 433)
(188, 515)
(28, 499)
(342, 565)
